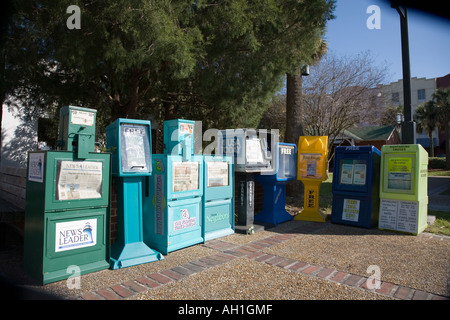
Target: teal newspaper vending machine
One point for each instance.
(130, 143)
(218, 197)
(173, 214)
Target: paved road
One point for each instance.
(436, 185)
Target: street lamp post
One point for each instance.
(408, 126)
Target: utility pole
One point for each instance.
(408, 126)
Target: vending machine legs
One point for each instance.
(129, 248)
(129, 140)
(246, 203)
(311, 210)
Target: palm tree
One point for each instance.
(427, 118)
(294, 127)
(442, 99)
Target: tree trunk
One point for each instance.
(132, 109)
(2, 96)
(447, 145)
(430, 136)
(170, 111)
(294, 128)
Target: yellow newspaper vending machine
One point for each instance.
(312, 166)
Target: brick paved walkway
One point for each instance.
(227, 252)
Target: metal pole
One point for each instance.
(408, 126)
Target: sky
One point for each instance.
(429, 38)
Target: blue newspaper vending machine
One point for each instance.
(218, 197)
(274, 186)
(356, 186)
(173, 214)
(130, 143)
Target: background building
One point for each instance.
(422, 90)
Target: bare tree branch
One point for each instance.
(338, 94)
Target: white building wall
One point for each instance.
(422, 90)
(18, 137)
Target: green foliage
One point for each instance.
(389, 115)
(275, 116)
(436, 113)
(216, 61)
(442, 223)
(427, 118)
(436, 163)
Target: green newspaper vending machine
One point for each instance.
(403, 188)
(67, 204)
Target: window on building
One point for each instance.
(421, 95)
(395, 98)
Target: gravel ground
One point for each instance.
(244, 279)
(412, 261)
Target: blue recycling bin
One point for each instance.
(274, 185)
(355, 186)
(129, 141)
(173, 215)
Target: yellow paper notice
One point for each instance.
(399, 165)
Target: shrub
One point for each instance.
(436, 163)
